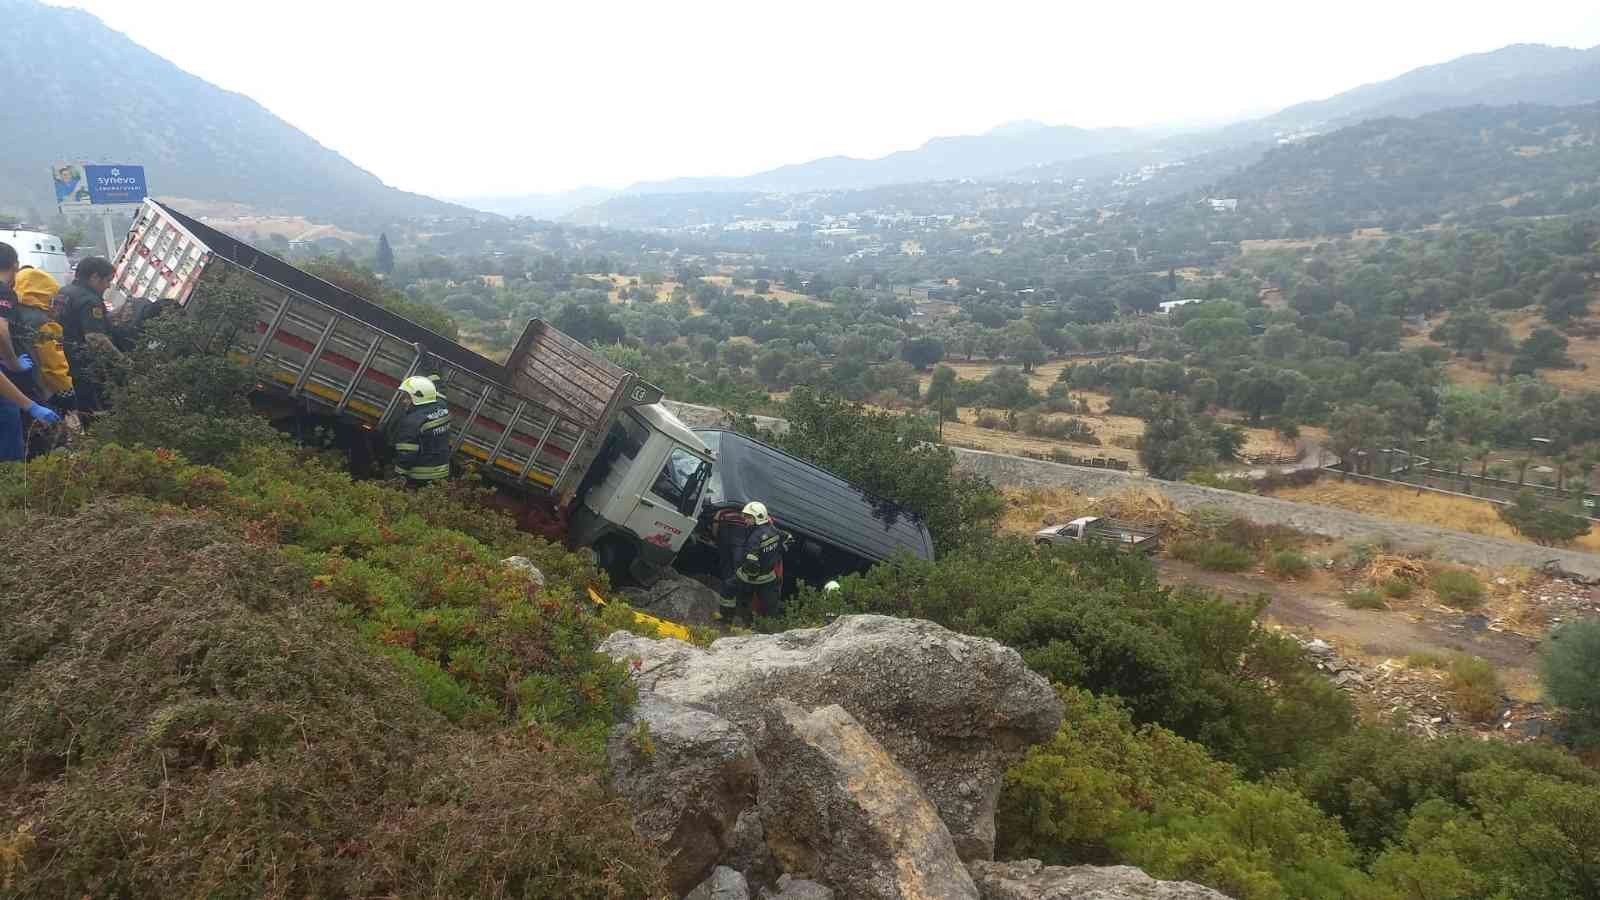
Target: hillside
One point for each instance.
(1534, 159)
(196, 140)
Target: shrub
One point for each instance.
(1458, 588)
(1365, 599)
(194, 722)
(1570, 668)
(1398, 588)
(1216, 556)
(1100, 620)
(419, 571)
(1426, 660)
(1288, 564)
(1546, 527)
(1105, 790)
(1474, 688)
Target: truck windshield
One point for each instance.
(681, 479)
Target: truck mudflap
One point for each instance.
(662, 626)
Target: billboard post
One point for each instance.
(105, 189)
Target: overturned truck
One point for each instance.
(580, 447)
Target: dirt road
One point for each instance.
(1376, 633)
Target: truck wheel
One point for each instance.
(615, 556)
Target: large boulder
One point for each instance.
(955, 711)
(1030, 879)
(687, 775)
(676, 597)
(838, 807)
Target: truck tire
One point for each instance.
(615, 556)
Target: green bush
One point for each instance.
(189, 720)
(1365, 599)
(1397, 588)
(1474, 688)
(1288, 564)
(1425, 660)
(1107, 791)
(1458, 588)
(1216, 556)
(419, 571)
(1570, 669)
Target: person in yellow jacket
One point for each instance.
(35, 289)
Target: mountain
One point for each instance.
(539, 206)
(1004, 149)
(81, 91)
(1402, 172)
(1519, 73)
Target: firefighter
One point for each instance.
(421, 435)
(758, 579)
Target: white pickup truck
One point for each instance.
(1123, 535)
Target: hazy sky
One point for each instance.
(468, 97)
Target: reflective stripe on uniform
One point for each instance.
(425, 473)
(756, 579)
(407, 448)
(435, 424)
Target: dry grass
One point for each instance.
(1458, 513)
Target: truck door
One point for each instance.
(666, 508)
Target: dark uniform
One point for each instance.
(422, 443)
(81, 313)
(759, 576)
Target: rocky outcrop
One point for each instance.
(724, 884)
(838, 807)
(1030, 879)
(687, 775)
(676, 597)
(953, 711)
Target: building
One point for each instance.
(1229, 204)
(1167, 306)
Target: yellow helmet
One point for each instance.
(757, 511)
(420, 389)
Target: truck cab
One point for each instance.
(640, 502)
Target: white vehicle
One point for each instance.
(40, 250)
(1094, 529)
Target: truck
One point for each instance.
(1127, 536)
(579, 441)
(41, 250)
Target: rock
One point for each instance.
(791, 888)
(686, 776)
(748, 851)
(837, 806)
(953, 710)
(724, 884)
(524, 564)
(1030, 879)
(1319, 647)
(676, 597)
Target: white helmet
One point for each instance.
(757, 511)
(830, 587)
(420, 389)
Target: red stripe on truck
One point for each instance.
(389, 381)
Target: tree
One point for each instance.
(738, 354)
(1540, 524)
(1472, 331)
(941, 391)
(1566, 297)
(384, 265)
(922, 352)
(1570, 669)
(1353, 427)
(1545, 348)
(1171, 444)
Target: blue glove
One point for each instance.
(42, 414)
(24, 362)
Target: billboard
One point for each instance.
(79, 186)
